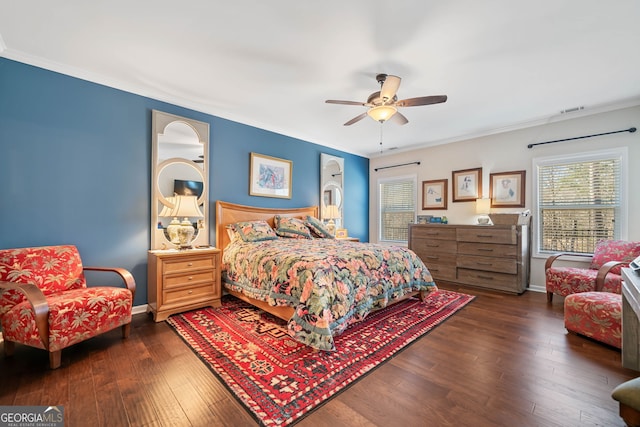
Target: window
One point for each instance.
(397, 208)
(579, 201)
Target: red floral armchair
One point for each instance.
(45, 301)
(603, 273)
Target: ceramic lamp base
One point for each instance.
(185, 233)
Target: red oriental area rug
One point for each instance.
(280, 380)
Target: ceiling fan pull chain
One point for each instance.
(381, 123)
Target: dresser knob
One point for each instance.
(190, 264)
(190, 278)
(190, 292)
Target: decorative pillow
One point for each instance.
(318, 228)
(291, 227)
(232, 233)
(254, 231)
(614, 250)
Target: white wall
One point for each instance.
(508, 152)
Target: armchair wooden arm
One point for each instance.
(552, 258)
(38, 302)
(124, 274)
(604, 270)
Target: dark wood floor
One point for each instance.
(502, 361)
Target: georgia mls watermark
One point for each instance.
(31, 416)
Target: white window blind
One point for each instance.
(579, 203)
(397, 208)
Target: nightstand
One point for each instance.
(182, 280)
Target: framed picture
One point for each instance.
(270, 176)
(341, 233)
(434, 194)
(507, 189)
(467, 185)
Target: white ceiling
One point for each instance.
(504, 64)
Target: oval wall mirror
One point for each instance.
(180, 148)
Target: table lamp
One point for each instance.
(331, 212)
(483, 207)
(185, 207)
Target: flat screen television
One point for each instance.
(187, 188)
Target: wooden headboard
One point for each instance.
(229, 213)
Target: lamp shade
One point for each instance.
(187, 206)
(382, 112)
(331, 212)
(483, 206)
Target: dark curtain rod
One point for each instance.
(395, 166)
(630, 130)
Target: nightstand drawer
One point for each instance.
(175, 281)
(193, 263)
(188, 295)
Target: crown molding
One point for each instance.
(555, 118)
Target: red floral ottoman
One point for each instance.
(596, 315)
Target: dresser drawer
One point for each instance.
(433, 246)
(192, 279)
(191, 263)
(188, 295)
(442, 271)
(439, 258)
(487, 235)
(486, 249)
(500, 265)
(487, 279)
(435, 232)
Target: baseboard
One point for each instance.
(534, 288)
(137, 309)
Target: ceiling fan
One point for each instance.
(383, 105)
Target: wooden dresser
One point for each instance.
(492, 256)
(179, 281)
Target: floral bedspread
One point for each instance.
(330, 283)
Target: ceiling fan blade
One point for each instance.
(389, 88)
(356, 119)
(422, 100)
(399, 119)
(334, 101)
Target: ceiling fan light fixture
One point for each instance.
(382, 113)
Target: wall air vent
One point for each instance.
(572, 110)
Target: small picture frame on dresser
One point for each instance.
(341, 233)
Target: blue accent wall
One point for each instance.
(75, 167)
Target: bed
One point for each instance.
(319, 286)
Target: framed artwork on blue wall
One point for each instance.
(270, 176)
